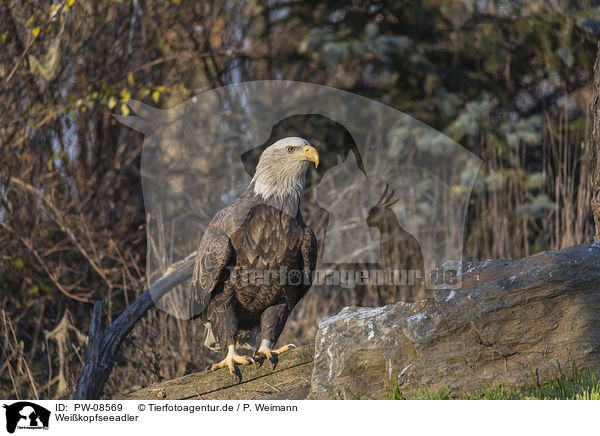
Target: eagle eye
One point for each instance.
(291, 149)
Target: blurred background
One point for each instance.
(508, 80)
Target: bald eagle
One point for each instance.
(257, 255)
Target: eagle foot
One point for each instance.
(265, 352)
(231, 361)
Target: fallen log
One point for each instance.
(290, 380)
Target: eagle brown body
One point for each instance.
(256, 257)
(267, 244)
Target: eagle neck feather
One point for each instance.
(278, 187)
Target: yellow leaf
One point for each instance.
(217, 32)
(125, 94)
(130, 79)
(145, 92)
(125, 109)
(47, 65)
(35, 31)
(155, 96)
(112, 102)
(70, 2)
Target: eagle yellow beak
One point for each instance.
(311, 154)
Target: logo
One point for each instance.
(389, 193)
(26, 415)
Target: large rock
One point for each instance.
(509, 320)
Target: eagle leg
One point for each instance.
(230, 361)
(273, 355)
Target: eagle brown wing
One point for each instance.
(214, 254)
(309, 257)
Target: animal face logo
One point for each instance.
(26, 415)
(200, 156)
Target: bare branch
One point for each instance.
(102, 347)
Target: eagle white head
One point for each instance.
(281, 169)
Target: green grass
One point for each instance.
(576, 384)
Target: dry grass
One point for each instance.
(509, 218)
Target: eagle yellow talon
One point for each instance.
(285, 348)
(231, 360)
(273, 355)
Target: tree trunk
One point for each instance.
(595, 143)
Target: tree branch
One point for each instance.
(102, 347)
